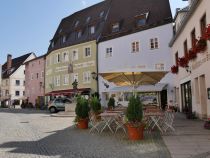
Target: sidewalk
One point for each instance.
(190, 139)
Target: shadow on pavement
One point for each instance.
(74, 143)
(23, 111)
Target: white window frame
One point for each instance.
(136, 47)
(155, 43)
(66, 79)
(109, 52)
(75, 76)
(64, 39)
(77, 54)
(85, 55)
(79, 34)
(86, 77)
(92, 29)
(65, 57)
(159, 66)
(57, 80)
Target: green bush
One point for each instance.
(95, 104)
(134, 111)
(82, 109)
(111, 102)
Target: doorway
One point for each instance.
(186, 97)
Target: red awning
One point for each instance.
(66, 92)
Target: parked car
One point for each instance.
(58, 104)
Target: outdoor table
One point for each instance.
(155, 119)
(108, 118)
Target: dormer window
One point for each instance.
(52, 44)
(88, 19)
(101, 14)
(64, 39)
(76, 23)
(60, 30)
(79, 34)
(92, 29)
(141, 19)
(115, 27)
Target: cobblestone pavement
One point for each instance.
(34, 134)
(190, 140)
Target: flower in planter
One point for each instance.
(183, 61)
(201, 44)
(207, 33)
(192, 54)
(174, 69)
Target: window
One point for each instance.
(87, 52)
(79, 34)
(37, 75)
(76, 23)
(176, 58)
(135, 47)
(108, 52)
(101, 14)
(75, 55)
(185, 48)
(75, 77)
(92, 29)
(66, 79)
(24, 72)
(115, 27)
(52, 44)
(57, 80)
(32, 77)
(17, 82)
(86, 77)
(17, 93)
(203, 24)
(23, 93)
(24, 83)
(193, 37)
(64, 39)
(159, 66)
(65, 56)
(7, 92)
(42, 74)
(154, 43)
(88, 19)
(141, 19)
(58, 59)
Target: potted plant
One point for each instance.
(207, 32)
(111, 103)
(95, 105)
(207, 124)
(134, 115)
(174, 69)
(82, 110)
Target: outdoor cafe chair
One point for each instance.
(168, 121)
(95, 123)
(120, 123)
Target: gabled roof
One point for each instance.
(183, 10)
(127, 11)
(16, 63)
(67, 26)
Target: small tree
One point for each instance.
(82, 109)
(111, 103)
(95, 104)
(134, 111)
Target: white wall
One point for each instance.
(144, 60)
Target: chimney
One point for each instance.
(9, 61)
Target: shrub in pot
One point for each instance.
(82, 110)
(111, 103)
(95, 104)
(134, 115)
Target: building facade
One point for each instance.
(136, 39)
(34, 81)
(191, 61)
(72, 54)
(13, 79)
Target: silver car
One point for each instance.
(58, 104)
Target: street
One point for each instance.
(35, 134)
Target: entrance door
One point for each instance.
(186, 97)
(163, 99)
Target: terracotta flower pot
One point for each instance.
(135, 133)
(83, 124)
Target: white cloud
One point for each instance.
(84, 3)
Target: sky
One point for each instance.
(28, 25)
